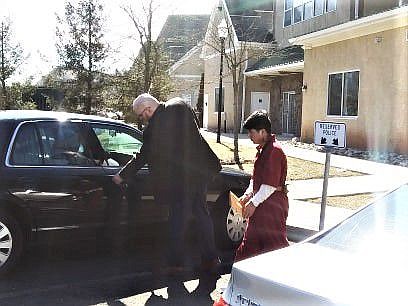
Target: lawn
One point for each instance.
(298, 169)
(353, 201)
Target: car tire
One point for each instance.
(228, 227)
(11, 242)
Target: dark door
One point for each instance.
(137, 206)
(56, 174)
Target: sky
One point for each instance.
(34, 27)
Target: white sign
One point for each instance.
(330, 134)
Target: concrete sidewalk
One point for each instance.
(304, 217)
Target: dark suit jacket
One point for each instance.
(178, 157)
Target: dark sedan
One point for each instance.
(56, 175)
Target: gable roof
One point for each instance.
(252, 20)
(181, 33)
(190, 63)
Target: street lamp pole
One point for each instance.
(220, 92)
(222, 33)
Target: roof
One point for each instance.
(181, 33)
(252, 20)
(36, 114)
(387, 20)
(190, 63)
(281, 57)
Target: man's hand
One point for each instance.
(117, 179)
(249, 210)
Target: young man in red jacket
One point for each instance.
(265, 202)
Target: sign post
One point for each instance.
(330, 135)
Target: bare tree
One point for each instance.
(237, 54)
(150, 53)
(10, 58)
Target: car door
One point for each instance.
(122, 143)
(57, 175)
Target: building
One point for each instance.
(181, 39)
(357, 73)
(250, 34)
(342, 61)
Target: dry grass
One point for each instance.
(298, 169)
(353, 201)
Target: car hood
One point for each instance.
(311, 275)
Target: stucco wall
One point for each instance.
(382, 121)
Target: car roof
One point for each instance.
(22, 115)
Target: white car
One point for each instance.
(361, 261)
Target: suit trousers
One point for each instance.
(181, 205)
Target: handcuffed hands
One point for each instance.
(249, 210)
(117, 179)
(244, 199)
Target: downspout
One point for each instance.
(243, 104)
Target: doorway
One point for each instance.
(289, 113)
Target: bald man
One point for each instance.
(180, 163)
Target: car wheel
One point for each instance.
(229, 227)
(235, 225)
(11, 242)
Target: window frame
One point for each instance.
(292, 10)
(284, 14)
(125, 130)
(11, 146)
(304, 9)
(302, 6)
(323, 8)
(342, 95)
(327, 6)
(90, 122)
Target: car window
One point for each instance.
(118, 140)
(26, 147)
(65, 144)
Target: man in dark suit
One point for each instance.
(180, 163)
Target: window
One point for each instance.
(288, 12)
(318, 7)
(26, 147)
(343, 94)
(308, 7)
(66, 144)
(299, 10)
(217, 96)
(116, 140)
(331, 5)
